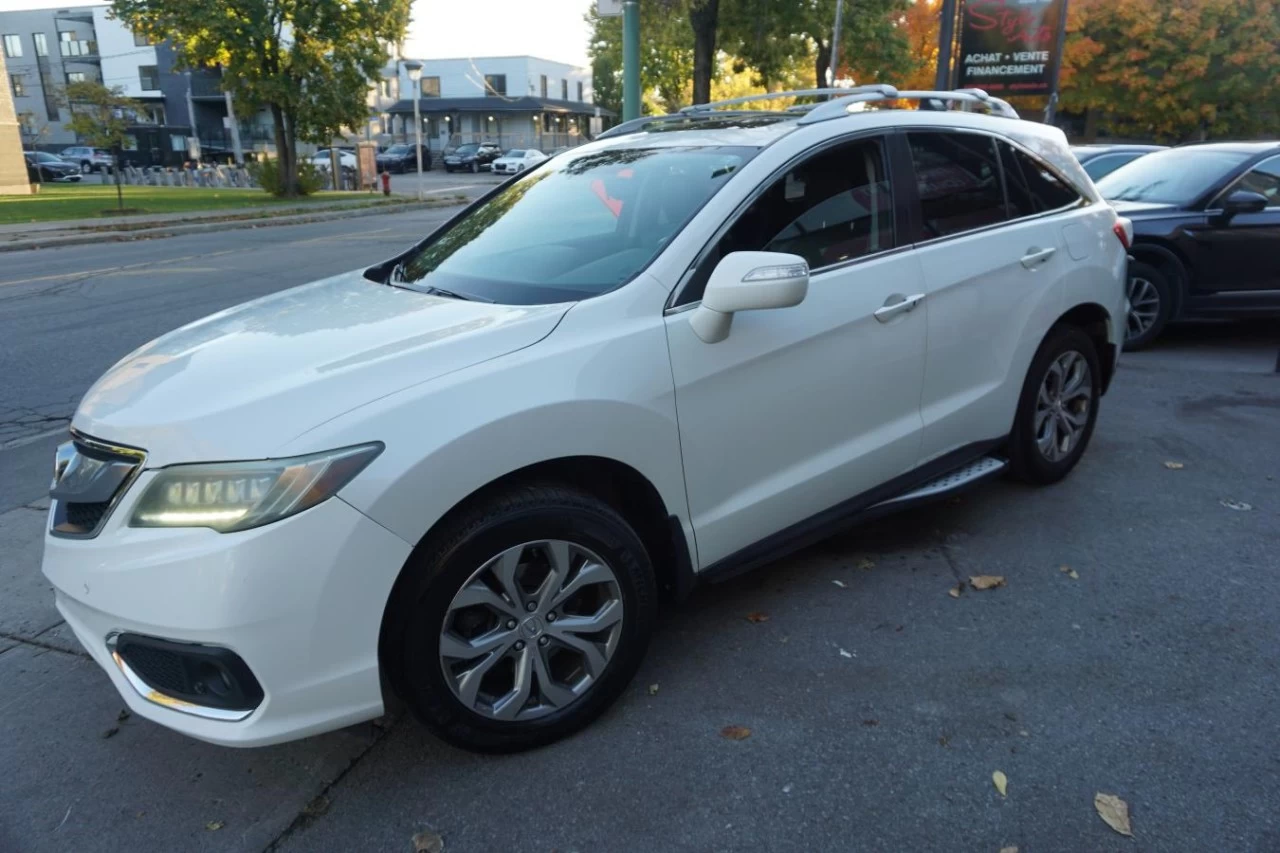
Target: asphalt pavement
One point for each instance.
(1132, 650)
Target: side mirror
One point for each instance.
(1243, 201)
(748, 281)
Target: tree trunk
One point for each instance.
(821, 63)
(291, 137)
(283, 160)
(703, 17)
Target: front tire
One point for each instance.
(1058, 408)
(522, 620)
(1150, 304)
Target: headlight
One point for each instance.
(228, 496)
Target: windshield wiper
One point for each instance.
(440, 291)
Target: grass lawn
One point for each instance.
(90, 201)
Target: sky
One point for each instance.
(441, 29)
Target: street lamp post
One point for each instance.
(415, 74)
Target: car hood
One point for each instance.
(241, 383)
(1132, 209)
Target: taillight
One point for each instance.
(1122, 233)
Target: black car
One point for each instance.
(472, 157)
(403, 158)
(1206, 223)
(42, 167)
(1101, 160)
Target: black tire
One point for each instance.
(1026, 461)
(1163, 290)
(437, 571)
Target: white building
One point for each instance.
(515, 101)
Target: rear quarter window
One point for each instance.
(1032, 188)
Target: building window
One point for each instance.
(580, 90)
(430, 87)
(12, 46)
(69, 45)
(177, 142)
(564, 90)
(139, 40)
(19, 85)
(495, 84)
(149, 77)
(544, 85)
(384, 88)
(75, 77)
(42, 44)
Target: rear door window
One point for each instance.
(958, 182)
(1031, 187)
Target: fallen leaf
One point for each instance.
(954, 592)
(123, 715)
(214, 825)
(428, 841)
(735, 732)
(871, 722)
(1001, 781)
(1024, 733)
(317, 807)
(786, 789)
(653, 690)
(757, 617)
(944, 741)
(986, 581)
(1174, 466)
(1010, 849)
(111, 732)
(840, 584)
(1114, 812)
(1009, 715)
(1069, 572)
(845, 654)
(1240, 506)
(866, 565)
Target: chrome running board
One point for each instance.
(965, 475)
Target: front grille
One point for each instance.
(162, 669)
(210, 676)
(86, 517)
(90, 477)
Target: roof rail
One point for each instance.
(638, 124)
(769, 96)
(840, 106)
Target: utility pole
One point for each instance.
(232, 124)
(834, 72)
(946, 35)
(630, 59)
(414, 67)
(1051, 108)
(192, 151)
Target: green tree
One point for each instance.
(666, 57)
(1175, 71)
(101, 117)
(309, 62)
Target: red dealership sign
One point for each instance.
(1010, 46)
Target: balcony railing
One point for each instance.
(81, 48)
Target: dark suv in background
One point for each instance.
(1206, 223)
(472, 157)
(402, 158)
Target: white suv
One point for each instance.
(467, 474)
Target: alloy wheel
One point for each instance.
(1144, 307)
(1062, 405)
(532, 630)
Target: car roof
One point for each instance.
(1236, 147)
(1101, 147)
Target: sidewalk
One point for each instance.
(73, 232)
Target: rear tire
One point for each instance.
(434, 614)
(1058, 408)
(1150, 297)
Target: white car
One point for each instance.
(468, 474)
(321, 159)
(517, 160)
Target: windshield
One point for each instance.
(573, 228)
(1176, 176)
(397, 149)
(469, 148)
(515, 153)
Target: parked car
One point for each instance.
(517, 160)
(472, 157)
(1100, 160)
(346, 159)
(403, 158)
(465, 476)
(42, 167)
(1206, 222)
(90, 159)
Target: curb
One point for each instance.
(224, 225)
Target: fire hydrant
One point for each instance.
(386, 183)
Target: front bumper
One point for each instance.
(300, 601)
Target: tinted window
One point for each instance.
(469, 148)
(1099, 167)
(832, 208)
(515, 153)
(573, 228)
(1175, 176)
(1032, 188)
(1264, 178)
(958, 180)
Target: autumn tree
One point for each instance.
(309, 62)
(920, 25)
(1175, 70)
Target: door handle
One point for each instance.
(1035, 257)
(898, 304)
